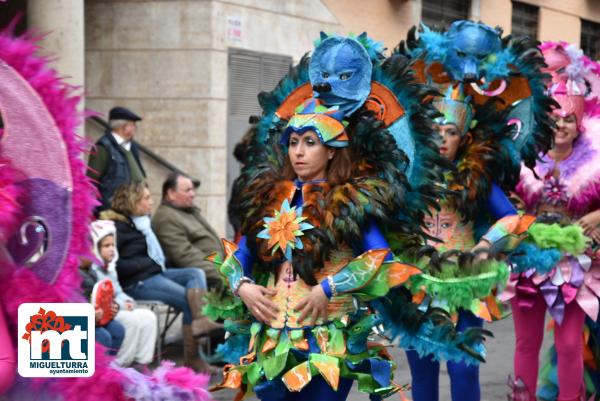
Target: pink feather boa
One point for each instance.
(19, 285)
(9, 200)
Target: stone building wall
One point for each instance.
(167, 60)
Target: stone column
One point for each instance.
(63, 21)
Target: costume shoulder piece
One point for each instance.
(393, 178)
(45, 206)
(503, 70)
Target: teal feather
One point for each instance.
(431, 332)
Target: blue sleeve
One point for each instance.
(245, 256)
(498, 204)
(373, 239)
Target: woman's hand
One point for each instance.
(590, 222)
(595, 235)
(516, 200)
(481, 250)
(314, 305)
(255, 298)
(129, 305)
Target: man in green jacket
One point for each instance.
(116, 159)
(185, 236)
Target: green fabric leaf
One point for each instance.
(255, 328)
(296, 335)
(274, 364)
(284, 344)
(223, 305)
(324, 359)
(336, 341)
(253, 374)
(366, 383)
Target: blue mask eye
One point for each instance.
(345, 76)
(325, 74)
(460, 54)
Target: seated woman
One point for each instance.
(143, 273)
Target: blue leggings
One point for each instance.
(316, 390)
(464, 379)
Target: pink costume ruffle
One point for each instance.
(573, 279)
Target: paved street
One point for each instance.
(493, 373)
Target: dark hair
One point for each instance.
(170, 183)
(240, 151)
(339, 169)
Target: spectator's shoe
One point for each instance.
(191, 357)
(201, 325)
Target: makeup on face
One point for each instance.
(308, 156)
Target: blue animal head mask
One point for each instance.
(470, 45)
(340, 73)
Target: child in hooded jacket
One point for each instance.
(141, 326)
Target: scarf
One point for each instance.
(143, 224)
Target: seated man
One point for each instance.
(185, 236)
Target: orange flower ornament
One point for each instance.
(283, 231)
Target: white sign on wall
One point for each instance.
(235, 29)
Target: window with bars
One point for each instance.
(249, 74)
(524, 19)
(441, 13)
(590, 39)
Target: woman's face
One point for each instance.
(450, 140)
(309, 157)
(566, 130)
(144, 206)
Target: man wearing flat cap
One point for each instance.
(116, 158)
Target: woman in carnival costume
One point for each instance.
(482, 100)
(459, 274)
(556, 269)
(45, 205)
(320, 196)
